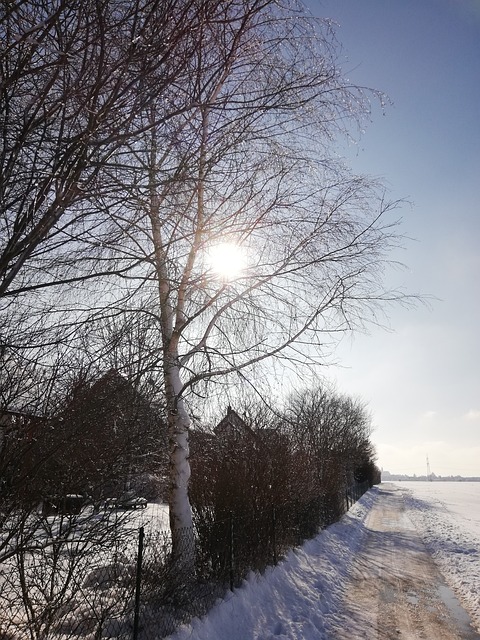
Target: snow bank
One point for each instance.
(447, 516)
(299, 598)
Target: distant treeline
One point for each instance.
(399, 477)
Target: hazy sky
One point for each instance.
(421, 379)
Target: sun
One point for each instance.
(226, 260)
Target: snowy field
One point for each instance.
(301, 598)
(447, 514)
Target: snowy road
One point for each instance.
(367, 576)
(397, 590)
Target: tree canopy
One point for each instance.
(139, 138)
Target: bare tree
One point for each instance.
(73, 79)
(334, 431)
(249, 169)
(245, 161)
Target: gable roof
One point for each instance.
(231, 424)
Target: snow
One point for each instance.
(447, 514)
(90, 572)
(301, 598)
(154, 518)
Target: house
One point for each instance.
(229, 432)
(233, 427)
(106, 438)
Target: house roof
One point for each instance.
(232, 422)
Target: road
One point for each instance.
(396, 590)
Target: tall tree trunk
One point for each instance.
(180, 511)
(183, 539)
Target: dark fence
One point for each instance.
(129, 585)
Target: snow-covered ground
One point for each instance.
(447, 514)
(154, 518)
(89, 570)
(307, 596)
(301, 598)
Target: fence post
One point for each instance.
(138, 582)
(346, 497)
(230, 554)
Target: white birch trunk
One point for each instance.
(181, 525)
(183, 540)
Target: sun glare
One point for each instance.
(227, 260)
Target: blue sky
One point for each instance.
(421, 379)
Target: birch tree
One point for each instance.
(249, 171)
(232, 223)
